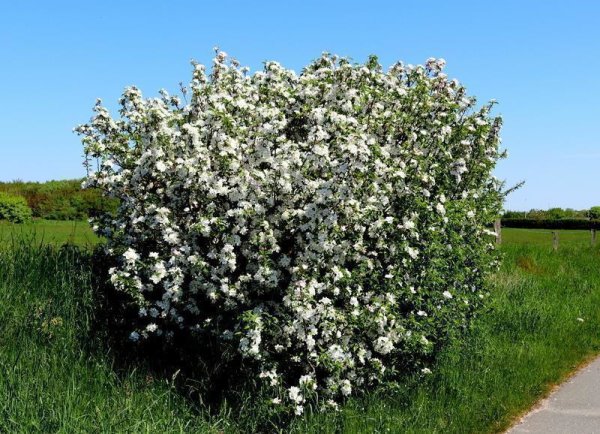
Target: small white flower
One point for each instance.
(332, 404)
(159, 272)
(131, 256)
(412, 252)
(447, 294)
(346, 388)
(160, 166)
(308, 381)
(383, 345)
(336, 353)
(295, 395)
(409, 225)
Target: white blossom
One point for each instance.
(295, 395)
(383, 345)
(293, 217)
(131, 255)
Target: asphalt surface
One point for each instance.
(574, 408)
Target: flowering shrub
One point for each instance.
(329, 227)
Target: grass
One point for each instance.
(51, 232)
(51, 379)
(543, 237)
(56, 378)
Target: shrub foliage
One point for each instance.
(327, 228)
(14, 208)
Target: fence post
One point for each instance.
(498, 230)
(593, 231)
(555, 240)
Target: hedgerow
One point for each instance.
(550, 223)
(59, 200)
(327, 228)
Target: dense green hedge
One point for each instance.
(59, 200)
(551, 224)
(14, 208)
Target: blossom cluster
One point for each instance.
(329, 226)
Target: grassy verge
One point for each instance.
(51, 379)
(530, 339)
(54, 379)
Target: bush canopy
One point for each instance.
(326, 229)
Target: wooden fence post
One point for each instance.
(593, 231)
(498, 230)
(555, 240)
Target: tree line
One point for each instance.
(53, 200)
(554, 214)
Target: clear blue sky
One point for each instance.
(539, 59)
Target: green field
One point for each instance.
(79, 233)
(543, 237)
(53, 232)
(57, 377)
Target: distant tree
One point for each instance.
(536, 214)
(515, 215)
(594, 212)
(556, 214)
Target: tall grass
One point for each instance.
(52, 378)
(57, 376)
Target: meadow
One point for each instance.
(52, 232)
(57, 376)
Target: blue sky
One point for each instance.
(539, 59)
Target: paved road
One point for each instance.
(572, 409)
